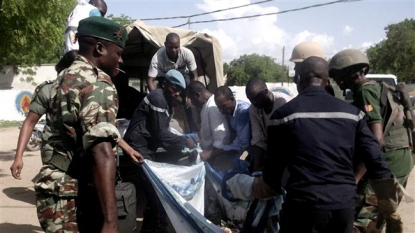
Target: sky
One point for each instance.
(353, 24)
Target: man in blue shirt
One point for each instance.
(237, 115)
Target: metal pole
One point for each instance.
(283, 68)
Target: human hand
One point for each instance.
(16, 168)
(135, 156)
(188, 102)
(190, 143)
(205, 155)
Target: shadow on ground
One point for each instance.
(9, 155)
(23, 194)
(10, 227)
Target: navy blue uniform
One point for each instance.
(316, 137)
(147, 131)
(149, 126)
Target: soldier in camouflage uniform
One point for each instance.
(41, 103)
(63, 219)
(83, 122)
(86, 106)
(349, 68)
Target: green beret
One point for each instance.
(103, 28)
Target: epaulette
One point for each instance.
(39, 87)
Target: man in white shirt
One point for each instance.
(169, 57)
(214, 129)
(81, 11)
(173, 56)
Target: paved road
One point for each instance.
(17, 197)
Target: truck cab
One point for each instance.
(387, 78)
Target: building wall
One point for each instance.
(16, 94)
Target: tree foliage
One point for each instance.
(396, 54)
(32, 31)
(240, 70)
(122, 19)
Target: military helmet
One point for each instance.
(350, 60)
(306, 49)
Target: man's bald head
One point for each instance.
(313, 71)
(172, 37)
(101, 5)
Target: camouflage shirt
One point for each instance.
(41, 103)
(84, 110)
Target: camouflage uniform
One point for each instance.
(396, 152)
(87, 106)
(55, 191)
(41, 103)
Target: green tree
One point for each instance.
(32, 31)
(240, 70)
(396, 54)
(122, 19)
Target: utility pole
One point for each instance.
(283, 67)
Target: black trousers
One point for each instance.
(295, 219)
(155, 217)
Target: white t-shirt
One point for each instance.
(214, 128)
(160, 63)
(81, 11)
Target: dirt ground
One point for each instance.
(17, 197)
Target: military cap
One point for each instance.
(176, 78)
(104, 29)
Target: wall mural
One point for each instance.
(22, 102)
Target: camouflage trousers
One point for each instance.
(56, 214)
(367, 206)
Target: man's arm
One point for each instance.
(243, 133)
(258, 141)
(133, 154)
(150, 83)
(97, 114)
(368, 150)
(24, 136)
(103, 177)
(153, 72)
(368, 101)
(377, 130)
(38, 107)
(194, 75)
(191, 64)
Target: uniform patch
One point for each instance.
(368, 107)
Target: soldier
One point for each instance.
(307, 49)
(315, 136)
(386, 121)
(83, 135)
(41, 103)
